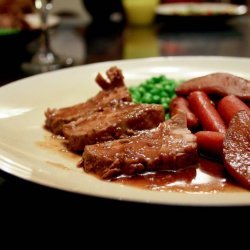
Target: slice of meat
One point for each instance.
(170, 146)
(56, 118)
(236, 148)
(114, 90)
(112, 123)
(217, 83)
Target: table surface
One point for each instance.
(89, 44)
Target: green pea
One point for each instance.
(156, 99)
(165, 106)
(147, 98)
(157, 89)
(167, 116)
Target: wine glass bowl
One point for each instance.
(45, 59)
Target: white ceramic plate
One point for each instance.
(22, 137)
(201, 9)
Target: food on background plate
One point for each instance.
(12, 14)
(16, 6)
(11, 22)
(162, 146)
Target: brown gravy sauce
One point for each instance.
(206, 177)
(57, 143)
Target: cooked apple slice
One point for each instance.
(236, 148)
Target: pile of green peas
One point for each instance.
(158, 90)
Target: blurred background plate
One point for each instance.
(203, 15)
(200, 9)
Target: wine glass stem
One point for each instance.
(44, 12)
(45, 32)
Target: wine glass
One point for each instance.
(45, 59)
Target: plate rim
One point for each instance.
(160, 9)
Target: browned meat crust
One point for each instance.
(170, 146)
